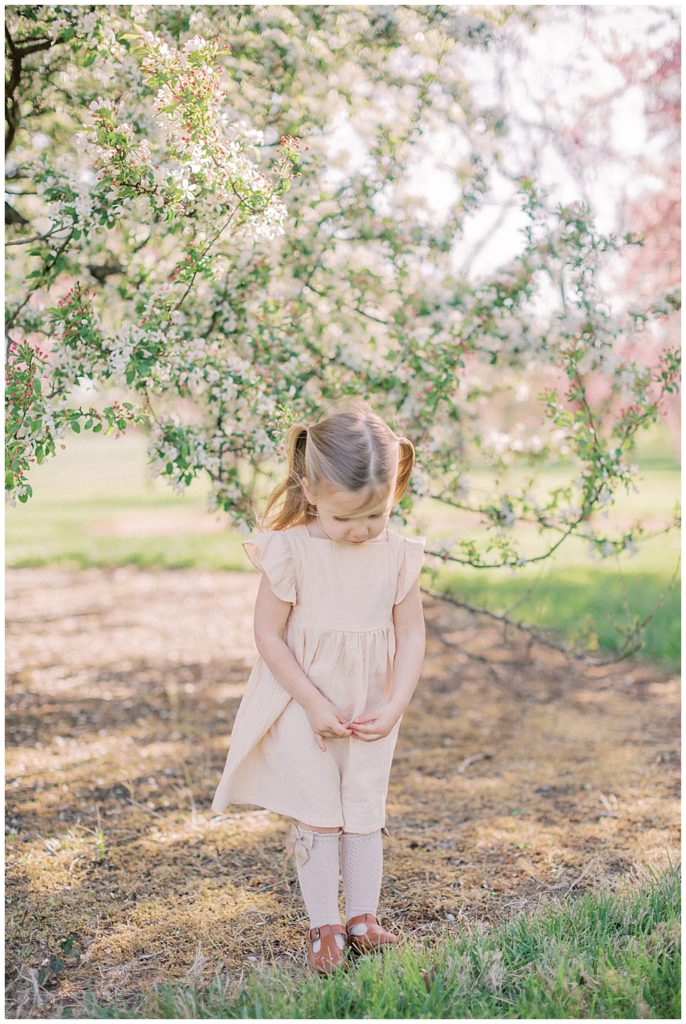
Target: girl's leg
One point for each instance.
(362, 871)
(318, 867)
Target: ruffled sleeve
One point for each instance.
(271, 553)
(409, 565)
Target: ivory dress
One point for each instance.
(340, 630)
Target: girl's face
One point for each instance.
(337, 516)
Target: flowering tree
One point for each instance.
(604, 153)
(653, 269)
(231, 258)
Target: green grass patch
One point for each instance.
(587, 606)
(85, 535)
(601, 955)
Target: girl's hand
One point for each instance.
(326, 720)
(376, 724)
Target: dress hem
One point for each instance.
(298, 817)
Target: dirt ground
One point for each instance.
(517, 780)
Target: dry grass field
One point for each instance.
(518, 779)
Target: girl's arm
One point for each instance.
(410, 642)
(271, 615)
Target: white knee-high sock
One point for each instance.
(362, 871)
(318, 867)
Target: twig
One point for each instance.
(463, 765)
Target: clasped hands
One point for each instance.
(328, 722)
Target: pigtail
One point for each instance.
(406, 458)
(287, 503)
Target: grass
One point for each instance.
(586, 606)
(96, 505)
(603, 955)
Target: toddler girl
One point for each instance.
(340, 633)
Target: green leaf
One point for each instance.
(56, 965)
(76, 426)
(90, 59)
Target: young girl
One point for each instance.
(340, 633)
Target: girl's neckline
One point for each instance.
(330, 540)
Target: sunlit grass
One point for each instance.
(584, 605)
(603, 955)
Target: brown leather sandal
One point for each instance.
(329, 956)
(373, 939)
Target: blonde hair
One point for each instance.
(350, 449)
